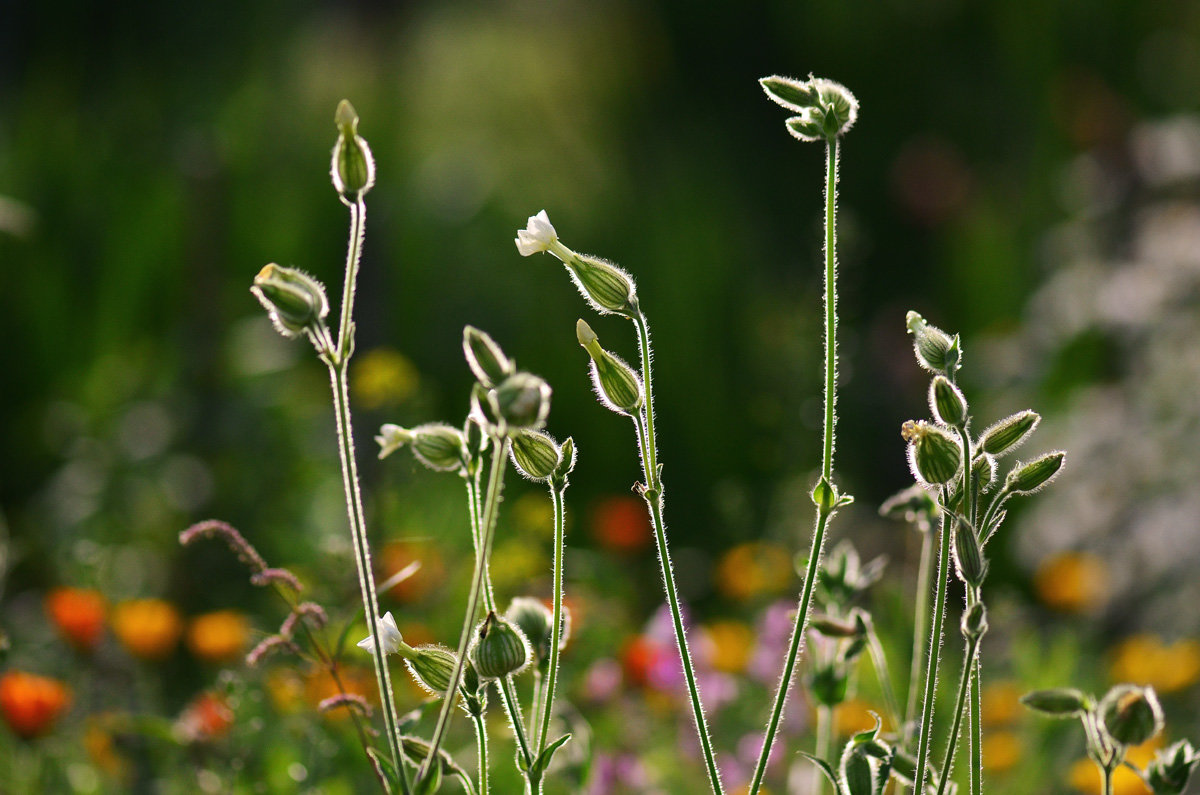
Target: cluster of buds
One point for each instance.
(865, 766)
(826, 109)
(505, 401)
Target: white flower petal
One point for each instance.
(537, 236)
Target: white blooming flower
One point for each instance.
(388, 634)
(538, 235)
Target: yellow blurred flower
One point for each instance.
(1144, 659)
(218, 637)
(731, 645)
(1000, 703)
(1084, 775)
(1001, 750)
(1072, 582)
(749, 570)
(854, 715)
(148, 628)
(100, 748)
(286, 689)
(534, 513)
(383, 377)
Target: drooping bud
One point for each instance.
(933, 455)
(1009, 433)
(1131, 715)
(535, 454)
(500, 649)
(1168, 774)
(947, 403)
(438, 446)
(974, 621)
(1028, 478)
(535, 621)
(432, 667)
(969, 561)
(616, 384)
(936, 350)
(608, 288)
(1058, 702)
(295, 301)
(485, 358)
(522, 401)
(353, 167)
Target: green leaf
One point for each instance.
(384, 766)
(543, 761)
(824, 767)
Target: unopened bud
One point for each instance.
(535, 454)
(608, 288)
(1058, 702)
(969, 561)
(832, 627)
(438, 446)
(983, 470)
(933, 455)
(566, 464)
(947, 403)
(523, 401)
(535, 621)
(353, 167)
(1028, 478)
(1131, 715)
(1009, 433)
(974, 621)
(827, 684)
(827, 109)
(616, 384)
(431, 668)
(295, 301)
(936, 350)
(913, 504)
(485, 358)
(500, 649)
(1168, 774)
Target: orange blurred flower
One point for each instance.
(321, 685)
(98, 742)
(30, 703)
(620, 524)
(639, 657)
(383, 377)
(748, 570)
(207, 717)
(1072, 582)
(78, 613)
(1085, 776)
(1001, 703)
(148, 628)
(218, 637)
(1001, 750)
(731, 644)
(1146, 660)
(398, 555)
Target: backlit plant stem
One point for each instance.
(823, 513)
(652, 492)
(338, 361)
(920, 626)
(513, 705)
(481, 742)
(935, 650)
(968, 672)
(541, 736)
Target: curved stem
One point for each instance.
(481, 742)
(935, 649)
(652, 492)
(543, 732)
(487, 528)
(959, 705)
(513, 705)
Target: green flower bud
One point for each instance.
(485, 358)
(947, 403)
(936, 350)
(295, 301)
(617, 385)
(522, 401)
(535, 621)
(974, 621)
(566, 464)
(828, 684)
(353, 167)
(832, 627)
(499, 649)
(933, 455)
(913, 504)
(472, 690)
(1058, 702)
(607, 288)
(1168, 774)
(969, 561)
(1131, 715)
(1009, 433)
(983, 470)
(431, 668)
(476, 439)
(438, 446)
(1028, 478)
(793, 94)
(827, 109)
(535, 454)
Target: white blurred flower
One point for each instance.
(388, 634)
(538, 235)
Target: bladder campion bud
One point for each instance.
(535, 454)
(485, 358)
(974, 621)
(1058, 702)
(984, 471)
(1168, 774)
(566, 464)
(1131, 715)
(431, 668)
(827, 109)
(295, 301)
(936, 350)
(1028, 478)
(522, 401)
(933, 454)
(1008, 434)
(607, 287)
(947, 403)
(499, 649)
(535, 620)
(617, 386)
(353, 167)
(969, 561)
(438, 446)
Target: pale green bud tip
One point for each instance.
(1059, 702)
(584, 333)
(947, 403)
(391, 438)
(936, 350)
(1131, 715)
(294, 300)
(537, 236)
(352, 169)
(346, 117)
(1009, 433)
(485, 358)
(1028, 478)
(387, 634)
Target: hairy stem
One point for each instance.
(513, 705)
(481, 742)
(823, 513)
(824, 744)
(935, 650)
(920, 627)
(976, 726)
(543, 732)
(959, 705)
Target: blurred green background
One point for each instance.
(153, 156)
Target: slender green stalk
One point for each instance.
(823, 513)
(920, 627)
(972, 666)
(652, 492)
(338, 362)
(824, 744)
(935, 650)
(487, 528)
(1108, 780)
(976, 727)
(481, 742)
(542, 734)
(879, 662)
(959, 705)
(535, 706)
(513, 705)
(475, 509)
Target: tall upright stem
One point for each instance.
(542, 733)
(934, 655)
(824, 743)
(652, 492)
(824, 513)
(481, 742)
(959, 704)
(976, 726)
(920, 627)
(338, 362)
